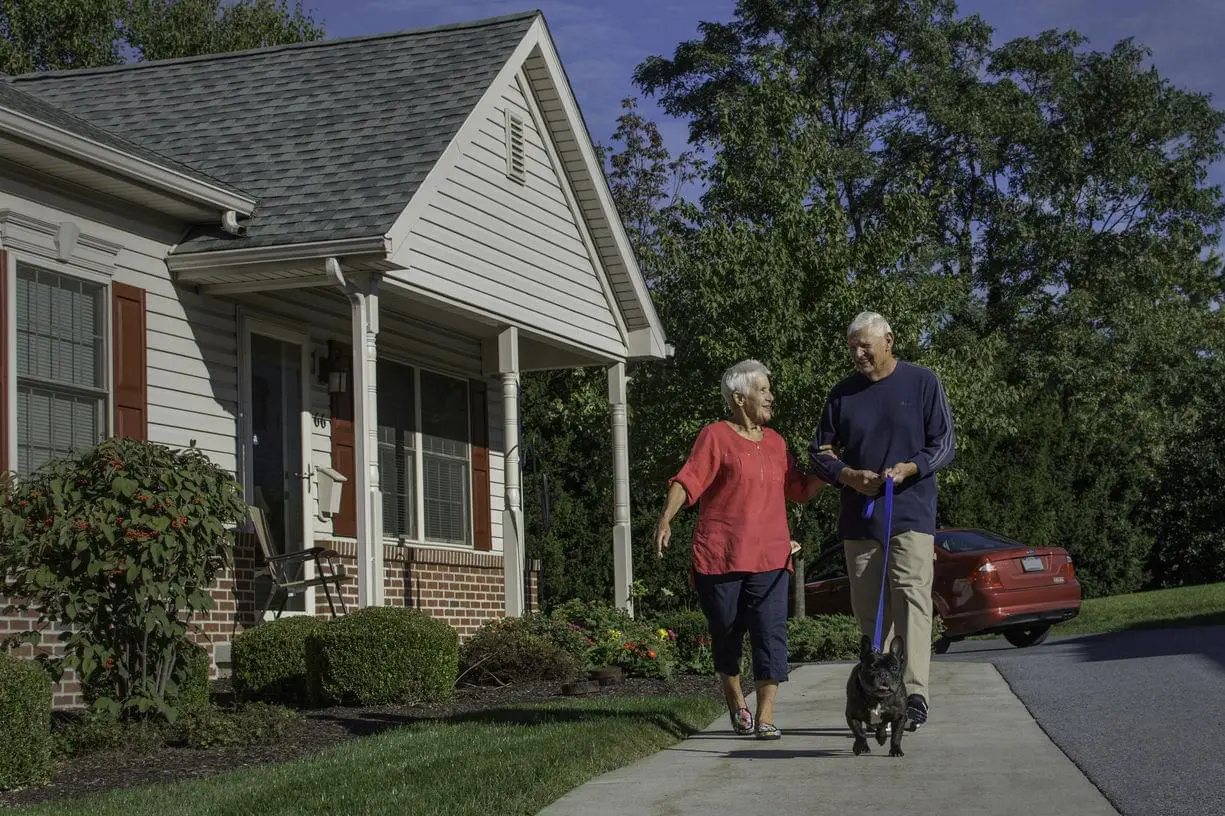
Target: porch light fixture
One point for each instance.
(333, 369)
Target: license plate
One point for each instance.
(1031, 563)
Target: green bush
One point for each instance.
(92, 732)
(822, 637)
(253, 724)
(269, 661)
(117, 548)
(188, 693)
(383, 654)
(613, 638)
(691, 634)
(512, 650)
(593, 617)
(25, 711)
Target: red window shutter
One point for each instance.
(4, 363)
(130, 351)
(482, 528)
(344, 455)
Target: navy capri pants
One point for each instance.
(753, 602)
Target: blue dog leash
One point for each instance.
(884, 568)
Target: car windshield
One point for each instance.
(964, 541)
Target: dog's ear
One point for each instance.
(898, 649)
(865, 649)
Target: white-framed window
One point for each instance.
(61, 355)
(425, 467)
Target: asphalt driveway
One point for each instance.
(1141, 713)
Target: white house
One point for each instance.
(325, 265)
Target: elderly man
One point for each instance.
(888, 420)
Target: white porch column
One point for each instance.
(512, 514)
(623, 556)
(364, 302)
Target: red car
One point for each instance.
(984, 583)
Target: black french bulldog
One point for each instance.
(876, 696)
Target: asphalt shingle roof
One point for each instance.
(15, 100)
(333, 137)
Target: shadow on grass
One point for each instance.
(373, 722)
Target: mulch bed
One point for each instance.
(316, 730)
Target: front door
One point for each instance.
(277, 445)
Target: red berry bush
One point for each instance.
(117, 547)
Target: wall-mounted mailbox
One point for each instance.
(330, 485)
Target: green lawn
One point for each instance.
(1185, 606)
(508, 761)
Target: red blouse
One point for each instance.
(743, 487)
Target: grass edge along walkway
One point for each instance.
(512, 760)
(1200, 605)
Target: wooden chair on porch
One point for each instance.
(280, 567)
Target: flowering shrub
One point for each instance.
(640, 652)
(117, 546)
(613, 638)
(692, 638)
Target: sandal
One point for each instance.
(768, 731)
(742, 721)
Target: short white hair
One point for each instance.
(740, 378)
(872, 321)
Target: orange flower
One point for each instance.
(651, 653)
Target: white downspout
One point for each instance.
(364, 304)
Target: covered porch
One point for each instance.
(346, 323)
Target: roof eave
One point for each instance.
(185, 264)
(91, 152)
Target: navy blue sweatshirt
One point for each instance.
(904, 417)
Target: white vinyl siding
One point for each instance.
(510, 248)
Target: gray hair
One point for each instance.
(872, 321)
(739, 379)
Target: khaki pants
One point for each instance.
(908, 600)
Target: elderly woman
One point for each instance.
(741, 475)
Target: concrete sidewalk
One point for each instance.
(980, 753)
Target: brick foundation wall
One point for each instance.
(462, 587)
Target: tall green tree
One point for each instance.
(48, 35)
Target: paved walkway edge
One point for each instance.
(980, 752)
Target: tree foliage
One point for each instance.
(47, 35)
(1034, 217)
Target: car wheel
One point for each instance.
(1023, 636)
(941, 645)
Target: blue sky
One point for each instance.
(601, 42)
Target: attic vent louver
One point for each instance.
(516, 166)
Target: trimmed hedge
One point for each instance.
(193, 694)
(514, 650)
(25, 711)
(268, 662)
(383, 654)
(822, 637)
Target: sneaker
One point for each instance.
(916, 711)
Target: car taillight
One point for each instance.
(1068, 570)
(987, 575)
